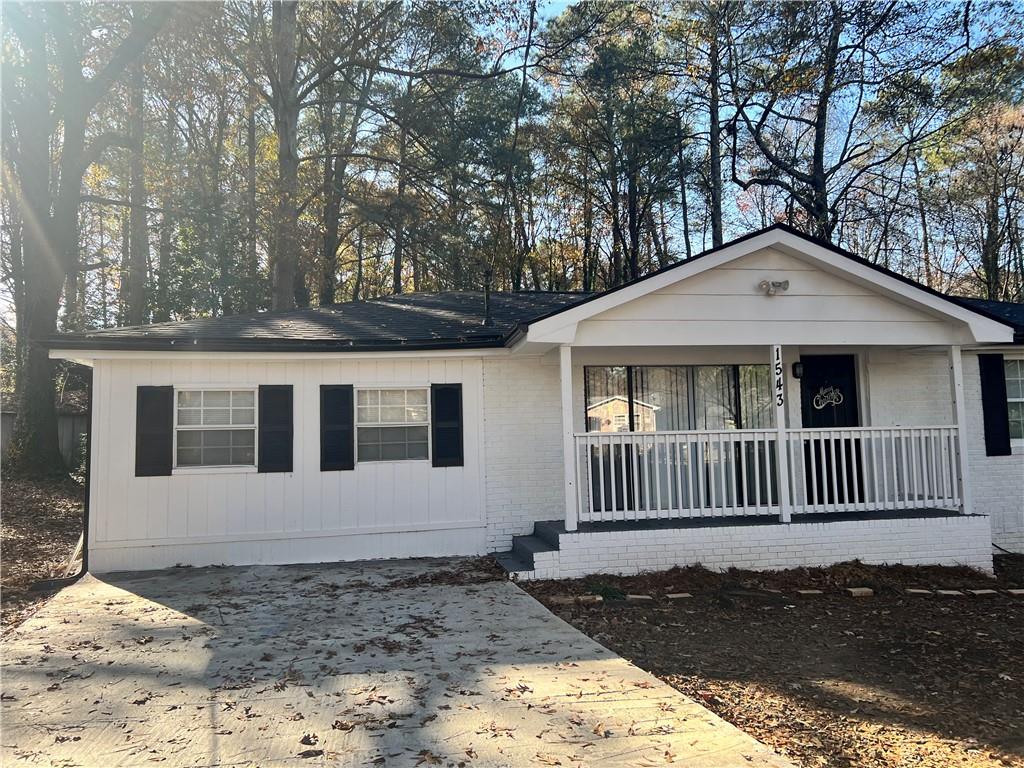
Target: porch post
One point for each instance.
(781, 435)
(956, 383)
(572, 510)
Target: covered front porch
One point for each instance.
(772, 403)
(796, 434)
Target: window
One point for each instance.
(678, 397)
(215, 428)
(1015, 398)
(392, 424)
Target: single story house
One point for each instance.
(811, 407)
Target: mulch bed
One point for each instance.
(40, 522)
(830, 680)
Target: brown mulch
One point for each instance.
(40, 522)
(891, 680)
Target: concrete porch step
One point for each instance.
(526, 547)
(512, 563)
(549, 531)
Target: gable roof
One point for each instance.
(558, 323)
(455, 319)
(449, 320)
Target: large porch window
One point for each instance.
(707, 461)
(627, 398)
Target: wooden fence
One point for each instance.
(70, 429)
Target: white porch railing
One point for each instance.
(665, 475)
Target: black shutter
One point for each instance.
(995, 410)
(336, 433)
(446, 424)
(154, 431)
(275, 428)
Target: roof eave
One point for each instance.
(264, 345)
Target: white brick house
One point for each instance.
(807, 407)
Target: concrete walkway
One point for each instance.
(416, 663)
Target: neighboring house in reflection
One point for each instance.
(612, 415)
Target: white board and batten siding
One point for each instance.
(377, 510)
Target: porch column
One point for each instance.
(956, 384)
(572, 509)
(781, 435)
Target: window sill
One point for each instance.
(371, 462)
(225, 470)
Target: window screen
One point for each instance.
(215, 428)
(392, 424)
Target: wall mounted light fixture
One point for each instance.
(771, 287)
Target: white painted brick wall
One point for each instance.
(523, 447)
(911, 389)
(908, 389)
(923, 541)
(997, 481)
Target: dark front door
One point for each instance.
(828, 400)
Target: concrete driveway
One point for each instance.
(400, 663)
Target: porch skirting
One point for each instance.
(943, 539)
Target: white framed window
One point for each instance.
(393, 424)
(1015, 399)
(214, 427)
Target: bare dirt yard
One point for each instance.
(40, 521)
(830, 680)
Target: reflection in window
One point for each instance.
(757, 406)
(661, 398)
(607, 396)
(715, 403)
(678, 398)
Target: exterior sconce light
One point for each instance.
(771, 287)
(798, 370)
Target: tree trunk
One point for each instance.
(633, 220)
(683, 170)
(357, 284)
(589, 270)
(161, 302)
(714, 129)
(252, 264)
(398, 213)
(138, 258)
(926, 251)
(284, 25)
(34, 448)
(990, 246)
(330, 190)
(822, 222)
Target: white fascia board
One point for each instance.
(561, 328)
(87, 356)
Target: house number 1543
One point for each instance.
(780, 390)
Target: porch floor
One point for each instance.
(736, 520)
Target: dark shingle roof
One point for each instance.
(447, 320)
(1008, 311)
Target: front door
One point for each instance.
(828, 400)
